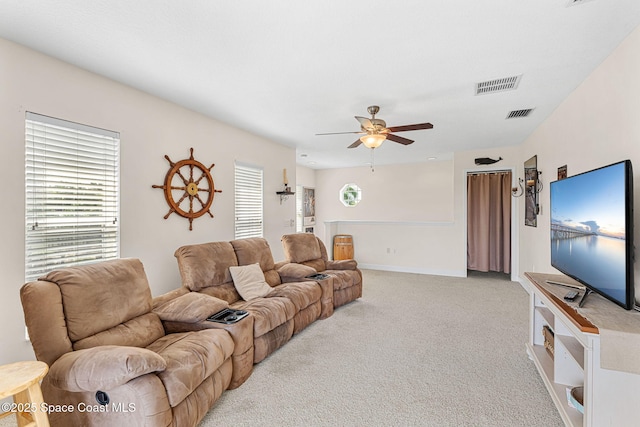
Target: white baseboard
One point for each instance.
(453, 273)
(400, 269)
(525, 284)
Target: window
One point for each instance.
(72, 194)
(350, 195)
(248, 189)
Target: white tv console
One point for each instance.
(611, 398)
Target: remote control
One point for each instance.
(571, 295)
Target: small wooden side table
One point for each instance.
(22, 381)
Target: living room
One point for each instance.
(594, 126)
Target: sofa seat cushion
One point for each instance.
(268, 313)
(344, 278)
(138, 332)
(191, 357)
(302, 294)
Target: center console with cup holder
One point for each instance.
(228, 316)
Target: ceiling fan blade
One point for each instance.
(401, 140)
(336, 133)
(355, 144)
(411, 127)
(364, 122)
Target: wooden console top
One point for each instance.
(552, 292)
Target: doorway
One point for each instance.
(489, 218)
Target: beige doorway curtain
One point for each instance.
(489, 221)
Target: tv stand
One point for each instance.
(566, 285)
(611, 397)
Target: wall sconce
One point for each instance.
(515, 192)
(286, 192)
(533, 185)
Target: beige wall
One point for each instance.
(404, 211)
(420, 192)
(412, 217)
(598, 124)
(305, 177)
(149, 128)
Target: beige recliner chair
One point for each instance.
(111, 363)
(308, 250)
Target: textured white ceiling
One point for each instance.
(287, 70)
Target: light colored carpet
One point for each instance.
(415, 350)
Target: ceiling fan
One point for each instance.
(375, 131)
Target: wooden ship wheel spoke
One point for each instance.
(177, 188)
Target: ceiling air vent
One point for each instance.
(519, 113)
(498, 85)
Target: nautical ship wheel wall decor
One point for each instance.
(189, 181)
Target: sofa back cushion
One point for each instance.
(301, 247)
(205, 265)
(44, 316)
(98, 297)
(256, 250)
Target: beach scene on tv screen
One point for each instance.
(588, 229)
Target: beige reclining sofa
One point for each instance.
(280, 310)
(308, 250)
(109, 356)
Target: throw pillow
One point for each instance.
(249, 281)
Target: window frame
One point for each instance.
(72, 194)
(249, 201)
(350, 188)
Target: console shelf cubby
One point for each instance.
(610, 397)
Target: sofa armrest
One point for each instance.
(103, 367)
(161, 299)
(192, 307)
(343, 264)
(292, 272)
(279, 264)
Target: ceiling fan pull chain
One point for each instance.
(372, 167)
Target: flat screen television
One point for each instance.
(592, 230)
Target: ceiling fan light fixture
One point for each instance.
(373, 140)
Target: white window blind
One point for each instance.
(72, 194)
(248, 203)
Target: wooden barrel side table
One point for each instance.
(342, 247)
(22, 381)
